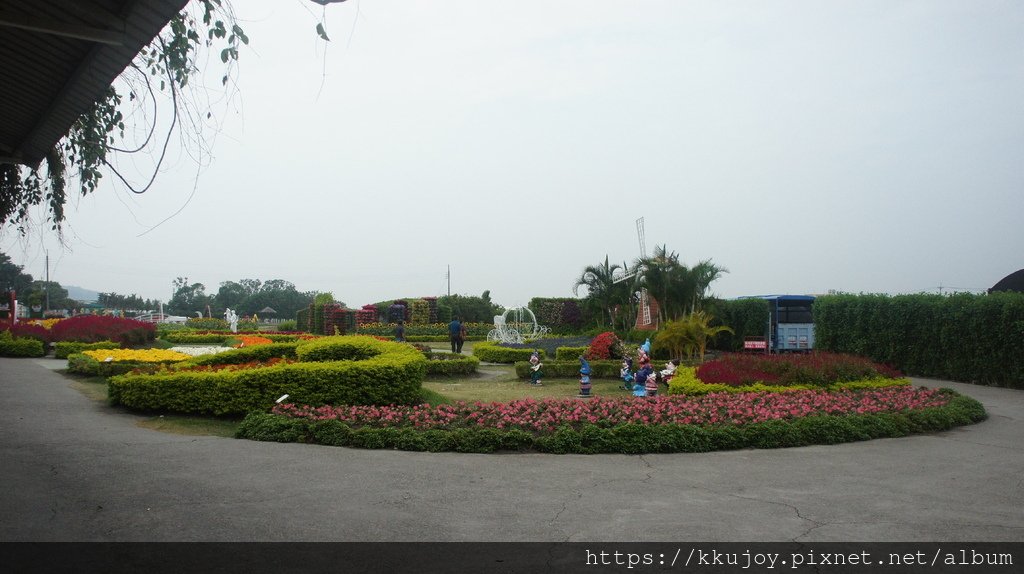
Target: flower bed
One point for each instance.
(65, 349)
(330, 370)
(812, 369)
(659, 424)
(111, 362)
(252, 341)
(200, 351)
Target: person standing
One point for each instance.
(463, 335)
(400, 332)
(455, 334)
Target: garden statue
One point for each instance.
(584, 377)
(536, 374)
(627, 373)
(232, 318)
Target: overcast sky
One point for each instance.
(806, 146)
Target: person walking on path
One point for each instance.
(463, 335)
(455, 334)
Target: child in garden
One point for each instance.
(536, 373)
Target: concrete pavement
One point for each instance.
(74, 469)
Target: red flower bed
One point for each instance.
(95, 328)
(812, 368)
(29, 331)
(547, 415)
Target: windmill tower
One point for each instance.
(644, 318)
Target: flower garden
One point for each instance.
(363, 391)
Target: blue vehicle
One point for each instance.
(790, 324)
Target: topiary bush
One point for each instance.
(450, 364)
(490, 352)
(571, 369)
(11, 346)
(570, 353)
(64, 349)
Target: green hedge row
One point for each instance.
(86, 365)
(186, 338)
(450, 364)
(746, 317)
(570, 353)
(963, 337)
(571, 369)
(627, 438)
(433, 331)
(390, 373)
(20, 346)
(65, 349)
(490, 352)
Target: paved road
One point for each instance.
(74, 469)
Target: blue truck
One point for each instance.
(790, 324)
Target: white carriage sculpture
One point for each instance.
(516, 325)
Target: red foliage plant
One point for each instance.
(28, 330)
(95, 328)
(811, 368)
(604, 346)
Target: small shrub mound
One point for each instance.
(490, 352)
(64, 349)
(11, 346)
(820, 369)
(450, 364)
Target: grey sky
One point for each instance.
(806, 146)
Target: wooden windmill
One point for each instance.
(644, 318)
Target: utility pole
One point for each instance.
(449, 276)
(47, 282)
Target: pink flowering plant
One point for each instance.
(546, 416)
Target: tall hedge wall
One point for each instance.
(963, 337)
(746, 317)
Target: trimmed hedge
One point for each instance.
(570, 353)
(186, 338)
(490, 352)
(85, 365)
(963, 337)
(64, 349)
(571, 369)
(21, 347)
(626, 438)
(374, 373)
(451, 364)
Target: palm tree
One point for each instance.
(703, 273)
(689, 335)
(601, 287)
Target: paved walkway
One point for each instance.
(74, 469)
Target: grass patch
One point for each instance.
(94, 388)
(503, 390)
(191, 426)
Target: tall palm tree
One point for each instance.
(659, 273)
(703, 273)
(601, 287)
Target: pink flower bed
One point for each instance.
(544, 416)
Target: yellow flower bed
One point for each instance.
(142, 356)
(45, 323)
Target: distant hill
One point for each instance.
(81, 295)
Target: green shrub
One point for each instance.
(450, 364)
(81, 364)
(64, 349)
(193, 338)
(20, 346)
(490, 352)
(207, 324)
(571, 369)
(963, 337)
(288, 325)
(570, 353)
(372, 373)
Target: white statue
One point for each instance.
(232, 318)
